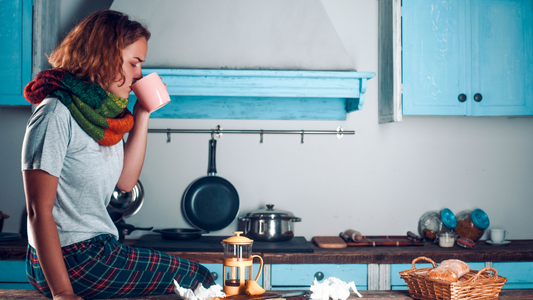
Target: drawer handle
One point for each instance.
(319, 275)
(462, 97)
(214, 275)
(478, 97)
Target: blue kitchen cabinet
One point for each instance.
(13, 275)
(301, 276)
(217, 268)
(519, 274)
(397, 283)
(477, 49)
(15, 50)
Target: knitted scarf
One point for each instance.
(102, 115)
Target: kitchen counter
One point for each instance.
(517, 250)
(376, 267)
(397, 295)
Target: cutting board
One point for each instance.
(384, 240)
(330, 242)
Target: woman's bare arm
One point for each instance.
(134, 150)
(41, 188)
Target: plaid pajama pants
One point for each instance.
(103, 268)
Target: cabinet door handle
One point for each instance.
(478, 97)
(462, 97)
(319, 275)
(214, 275)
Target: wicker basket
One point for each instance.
(483, 284)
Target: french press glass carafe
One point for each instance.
(238, 261)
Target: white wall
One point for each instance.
(379, 181)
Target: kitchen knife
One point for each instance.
(285, 295)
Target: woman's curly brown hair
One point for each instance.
(93, 49)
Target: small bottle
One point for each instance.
(446, 239)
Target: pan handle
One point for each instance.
(212, 168)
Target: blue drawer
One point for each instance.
(13, 275)
(285, 276)
(519, 274)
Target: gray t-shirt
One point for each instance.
(87, 171)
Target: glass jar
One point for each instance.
(432, 223)
(472, 224)
(429, 225)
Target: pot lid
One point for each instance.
(238, 239)
(270, 213)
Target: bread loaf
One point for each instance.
(450, 270)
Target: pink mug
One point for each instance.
(151, 92)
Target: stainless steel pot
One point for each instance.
(269, 225)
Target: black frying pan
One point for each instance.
(210, 203)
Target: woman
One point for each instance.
(74, 156)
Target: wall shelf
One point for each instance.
(261, 94)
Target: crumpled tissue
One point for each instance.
(200, 293)
(333, 288)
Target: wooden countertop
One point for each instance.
(517, 250)
(397, 295)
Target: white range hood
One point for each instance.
(249, 59)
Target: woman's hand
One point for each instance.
(67, 296)
(139, 111)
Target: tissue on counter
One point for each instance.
(333, 288)
(200, 293)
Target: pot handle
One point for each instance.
(212, 165)
(297, 219)
(260, 268)
(246, 224)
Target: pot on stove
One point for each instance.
(269, 224)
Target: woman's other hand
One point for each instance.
(67, 296)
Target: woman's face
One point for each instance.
(133, 56)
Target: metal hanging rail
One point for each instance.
(218, 131)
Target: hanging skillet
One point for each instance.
(210, 203)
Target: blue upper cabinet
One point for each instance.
(15, 50)
(467, 57)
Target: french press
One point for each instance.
(238, 261)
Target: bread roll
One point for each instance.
(450, 270)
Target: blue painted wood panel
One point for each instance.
(15, 50)
(258, 94)
(502, 70)
(303, 275)
(433, 57)
(13, 274)
(20, 286)
(397, 283)
(453, 47)
(519, 274)
(241, 108)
